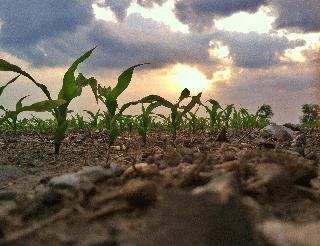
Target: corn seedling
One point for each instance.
(10, 117)
(176, 115)
(94, 118)
(144, 120)
(71, 88)
(214, 115)
(109, 97)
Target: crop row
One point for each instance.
(183, 112)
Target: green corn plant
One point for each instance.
(109, 97)
(144, 120)
(176, 116)
(192, 120)
(10, 117)
(214, 115)
(71, 88)
(94, 118)
(77, 121)
(226, 114)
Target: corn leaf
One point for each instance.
(123, 82)
(43, 106)
(11, 81)
(70, 88)
(19, 104)
(184, 94)
(92, 82)
(6, 66)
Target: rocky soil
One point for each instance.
(213, 187)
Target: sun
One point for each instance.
(185, 76)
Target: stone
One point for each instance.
(143, 169)
(140, 193)
(271, 178)
(91, 174)
(183, 219)
(9, 173)
(278, 132)
(41, 203)
(293, 127)
(287, 234)
(223, 185)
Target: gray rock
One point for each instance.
(183, 219)
(91, 174)
(293, 127)
(278, 132)
(287, 234)
(270, 178)
(9, 173)
(222, 185)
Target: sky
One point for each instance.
(245, 52)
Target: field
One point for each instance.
(192, 189)
(230, 177)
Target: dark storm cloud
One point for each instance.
(150, 3)
(27, 22)
(253, 50)
(199, 14)
(120, 45)
(135, 40)
(119, 7)
(298, 14)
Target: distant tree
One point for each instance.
(310, 113)
(265, 112)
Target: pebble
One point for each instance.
(140, 193)
(278, 132)
(223, 185)
(183, 219)
(271, 178)
(92, 174)
(143, 169)
(280, 233)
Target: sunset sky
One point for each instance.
(246, 52)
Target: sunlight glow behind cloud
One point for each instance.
(260, 22)
(185, 76)
(105, 14)
(163, 14)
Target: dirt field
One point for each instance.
(241, 188)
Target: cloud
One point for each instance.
(26, 22)
(134, 40)
(150, 3)
(199, 14)
(119, 7)
(285, 89)
(253, 50)
(296, 14)
(120, 45)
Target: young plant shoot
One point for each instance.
(71, 88)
